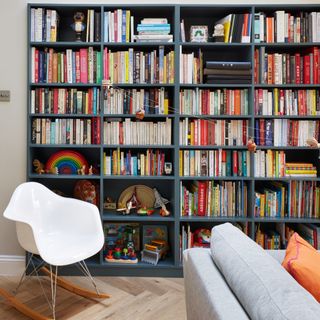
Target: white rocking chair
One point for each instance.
(62, 231)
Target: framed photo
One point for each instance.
(168, 168)
(199, 33)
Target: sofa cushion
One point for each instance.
(302, 261)
(264, 288)
(203, 281)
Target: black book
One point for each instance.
(228, 65)
(228, 76)
(207, 71)
(228, 81)
(97, 26)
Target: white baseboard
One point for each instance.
(11, 265)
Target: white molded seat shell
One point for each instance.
(61, 230)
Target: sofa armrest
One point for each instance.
(207, 294)
(277, 254)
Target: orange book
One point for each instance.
(237, 102)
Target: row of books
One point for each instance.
(138, 67)
(237, 27)
(93, 28)
(287, 27)
(269, 164)
(129, 101)
(69, 66)
(300, 170)
(292, 199)
(154, 30)
(285, 132)
(278, 237)
(213, 132)
(216, 72)
(290, 102)
(118, 26)
(129, 132)
(65, 101)
(287, 68)
(213, 199)
(118, 162)
(271, 200)
(44, 25)
(214, 102)
(214, 163)
(269, 239)
(65, 131)
(191, 67)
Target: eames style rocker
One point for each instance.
(62, 231)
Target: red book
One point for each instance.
(106, 64)
(202, 131)
(298, 67)
(244, 132)
(306, 69)
(121, 133)
(77, 66)
(65, 68)
(301, 110)
(98, 130)
(316, 71)
(235, 162)
(205, 133)
(83, 65)
(202, 195)
(90, 98)
(237, 102)
(115, 28)
(55, 100)
(36, 65)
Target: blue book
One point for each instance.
(73, 67)
(269, 132)
(41, 66)
(94, 103)
(135, 165)
(123, 35)
(52, 132)
(106, 27)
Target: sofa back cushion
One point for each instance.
(263, 287)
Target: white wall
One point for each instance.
(13, 70)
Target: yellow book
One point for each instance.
(226, 22)
(276, 104)
(288, 171)
(128, 25)
(126, 59)
(313, 102)
(165, 69)
(119, 162)
(192, 133)
(87, 104)
(262, 205)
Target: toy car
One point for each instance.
(154, 251)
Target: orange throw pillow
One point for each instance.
(302, 261)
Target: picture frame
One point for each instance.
(199, 34)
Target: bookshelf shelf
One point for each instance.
(64, 44)
(128, 177)
(216, 178)
(172, 186)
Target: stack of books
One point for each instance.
(154, 30)
(300, 170)
(227, 72)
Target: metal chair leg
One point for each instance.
(86, 271)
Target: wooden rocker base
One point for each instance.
(15, 303)
(75, 289)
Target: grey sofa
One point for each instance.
(236, 279)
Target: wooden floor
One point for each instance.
(132, 298)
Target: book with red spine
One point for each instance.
(306, 69)
(202, 198)
(36, 65)
(297, 68)
(83, 65)
(77, 66)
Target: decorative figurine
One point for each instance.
(85, 190)
(78, 26)
(161, 203)
(82, 171)
(39, 167)
(202, 238)
(110, 204)
(167, 168)
(140, 114)
(252, 147)
(218, 34)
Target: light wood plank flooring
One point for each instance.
(132, 298)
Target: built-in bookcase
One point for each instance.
(171, 101)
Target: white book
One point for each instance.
(132, 38)
(38, 25)
(69, 66)
(91, 35)
(32, 26)
(280, 25)
(53, 31)
(154, 21)
(48, 26)
(119, 13)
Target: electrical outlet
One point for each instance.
(4, 95)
